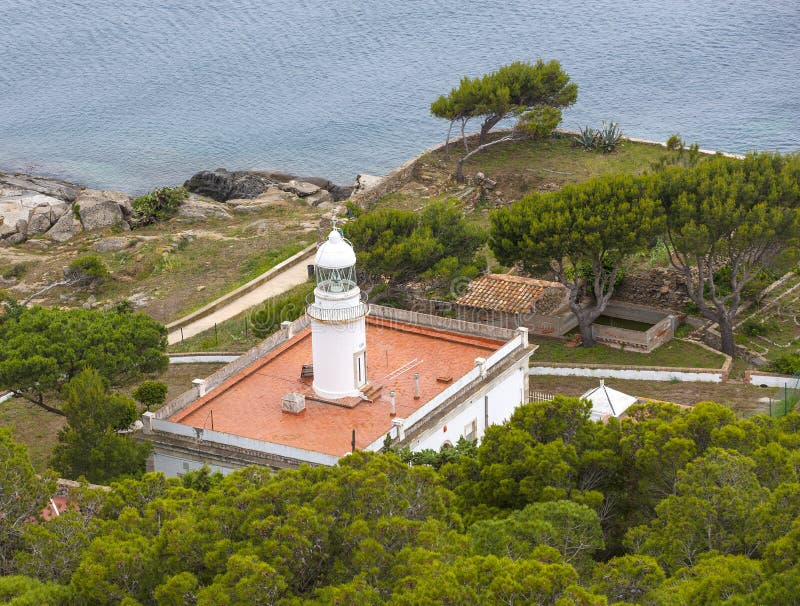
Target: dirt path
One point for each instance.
(293, 276)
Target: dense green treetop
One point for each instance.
(42, 349)
(584, 233)
(671, 506)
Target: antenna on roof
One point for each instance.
(353, 441)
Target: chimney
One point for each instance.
(293, 403)
(523, 332)
(401, 432)
(286, 327)
(416, 386)
(481, 364)
(200, 384)
(392, 404)
(147, 421)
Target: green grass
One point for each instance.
(267, 259)
(237, 333)
(34, 427)
(623, 323)
(783, 332)
(676, 353)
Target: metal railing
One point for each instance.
(337, 314)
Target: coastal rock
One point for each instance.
(273, 195)
(39, 220)
(65, 228)
(302, 189)
(366, 182)
(197, 210)
(321, 197)
(65, 192)
(113, 244)
(222, 185)
(100, 209)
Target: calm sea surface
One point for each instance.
(140, 93)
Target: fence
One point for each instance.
(540, 396)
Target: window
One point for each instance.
(471, 430)
(361, 368)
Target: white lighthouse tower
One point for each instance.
(337, 313)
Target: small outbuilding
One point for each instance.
(608, 402)
(512, 301)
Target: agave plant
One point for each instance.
(587, 138)
(608, 137)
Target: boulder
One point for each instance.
(100, 209)
(65, 192)
(321, 197)
(66, 227)
(113, 244)
(21, 227)
(222, 185)
(197, 210)
(17, 238)
(366, 182)
(39, 220)
(273, 195)
(301, 189)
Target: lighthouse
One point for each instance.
(337, 314)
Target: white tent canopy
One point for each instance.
(607, 402)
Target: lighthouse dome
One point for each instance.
(335, 253)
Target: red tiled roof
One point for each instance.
(504, 293)
(249, 404)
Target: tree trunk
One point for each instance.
(727, 344)
(585, 326)
(447, 141)
(460, 168)
(487, 125)
(40, 403)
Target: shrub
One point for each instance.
(754, 328)
(540, 121)
(159, 205)
(150, 394)
(286, 307)
(675, 143)
(88, 270)
(787, 364)
(608, 137)
(587, 139)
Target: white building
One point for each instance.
(346, 375)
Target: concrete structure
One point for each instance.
(344, 376)
(608, 402)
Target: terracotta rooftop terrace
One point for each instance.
(249, 403)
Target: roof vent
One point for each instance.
(294, 403)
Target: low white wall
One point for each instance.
(772, 380)
(203, 358)
(643, 374)
(6, 396)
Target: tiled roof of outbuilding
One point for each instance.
(504, 293)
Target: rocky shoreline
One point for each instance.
(33, 206)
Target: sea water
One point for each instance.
(136, 94)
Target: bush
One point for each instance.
(754, 328)
(286, 307)
(787, 364)
(88, 270)
(540, 121)
(159, 205)
(675, 143)
(150, 394)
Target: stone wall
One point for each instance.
(660, 287)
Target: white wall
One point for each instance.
(505, 394)
(713, 376)
(774, 380)
(174, 467)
